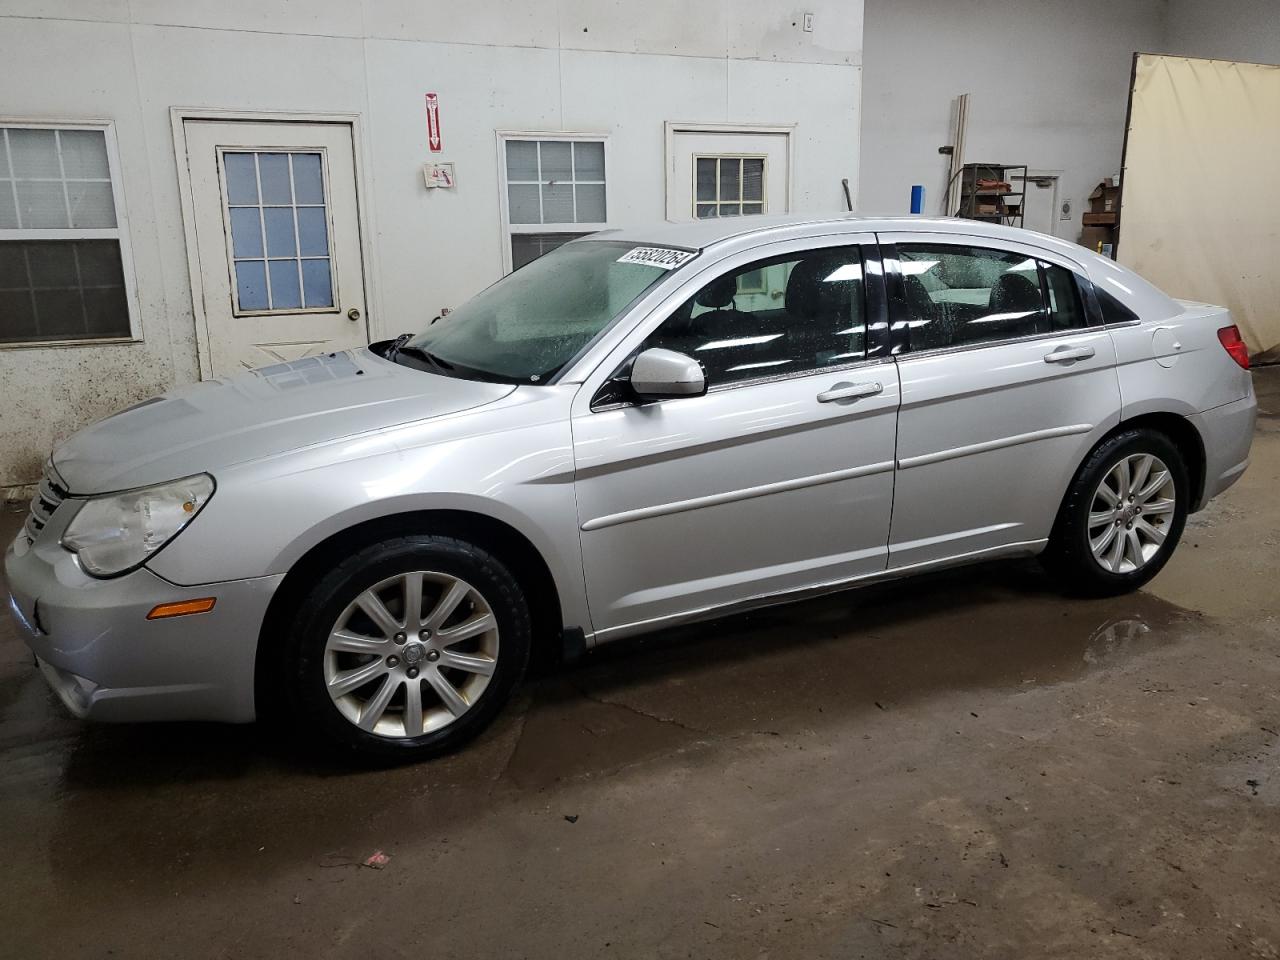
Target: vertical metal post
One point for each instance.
(959, 124)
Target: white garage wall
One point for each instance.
(571, 65)
(629, 97)
(1224, 30)
(1049, 85)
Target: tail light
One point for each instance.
(1234, 344)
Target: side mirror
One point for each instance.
(659, 374)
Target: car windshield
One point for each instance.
(528, 325)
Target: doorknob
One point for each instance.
(1063, 354)
(353, 314)
(849, 391)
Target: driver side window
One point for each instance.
(789, 314)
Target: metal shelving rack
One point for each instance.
(974, 201)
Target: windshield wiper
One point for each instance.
(394, 346)
(429, 362)
(399, 346)
(421, 354)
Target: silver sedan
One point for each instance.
(641, 428)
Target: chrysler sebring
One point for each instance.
(643, 427)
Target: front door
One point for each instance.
(724, 173)
(779, 478)
(278, 241)
(1005, 388)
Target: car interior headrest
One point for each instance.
(718, 293)
(811, 294)
(1015, 292)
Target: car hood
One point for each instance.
(288, 406)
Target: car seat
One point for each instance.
(1013, 309)
(817, 307)
(722, 319)
(931, 325)
(686, 332)
(813, 300)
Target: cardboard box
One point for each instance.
(1104, 199)
(1095, 237)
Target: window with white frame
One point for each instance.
(278, 222)
(729, 185)
(554, 192)
(62, 258)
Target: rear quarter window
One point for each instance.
(1113, 311)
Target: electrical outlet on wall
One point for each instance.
(808, 23)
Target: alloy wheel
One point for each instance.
(1131, 513)
(411, 654)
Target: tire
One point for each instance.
(1080, 526)
(341, 654)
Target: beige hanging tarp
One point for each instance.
(1200, 205)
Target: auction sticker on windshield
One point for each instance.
(657, 257)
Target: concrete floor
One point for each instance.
(963, 766)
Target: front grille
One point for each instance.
(49, 496)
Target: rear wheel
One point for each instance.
(408, 648)
(1122, 515)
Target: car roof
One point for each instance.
(702, 234)
(735, 233)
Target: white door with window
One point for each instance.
(725, 173)
(278, 240)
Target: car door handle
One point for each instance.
(1063, 354)
(850, 391)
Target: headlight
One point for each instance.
(116, 533)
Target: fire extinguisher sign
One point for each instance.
(433, 123)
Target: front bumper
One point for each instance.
(106, 661)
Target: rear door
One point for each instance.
(1005, 387)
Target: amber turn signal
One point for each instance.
(181, 608)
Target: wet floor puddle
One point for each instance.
(210, 794)
(794, 669)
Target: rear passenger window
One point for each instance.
(789, 314)
(960, 295)
(956, 295)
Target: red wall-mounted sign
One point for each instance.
(433, 123)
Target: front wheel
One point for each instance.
(1122, 516)
(408, 648)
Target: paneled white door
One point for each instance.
(278, 240)
(726, 174)
(1040, 210)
